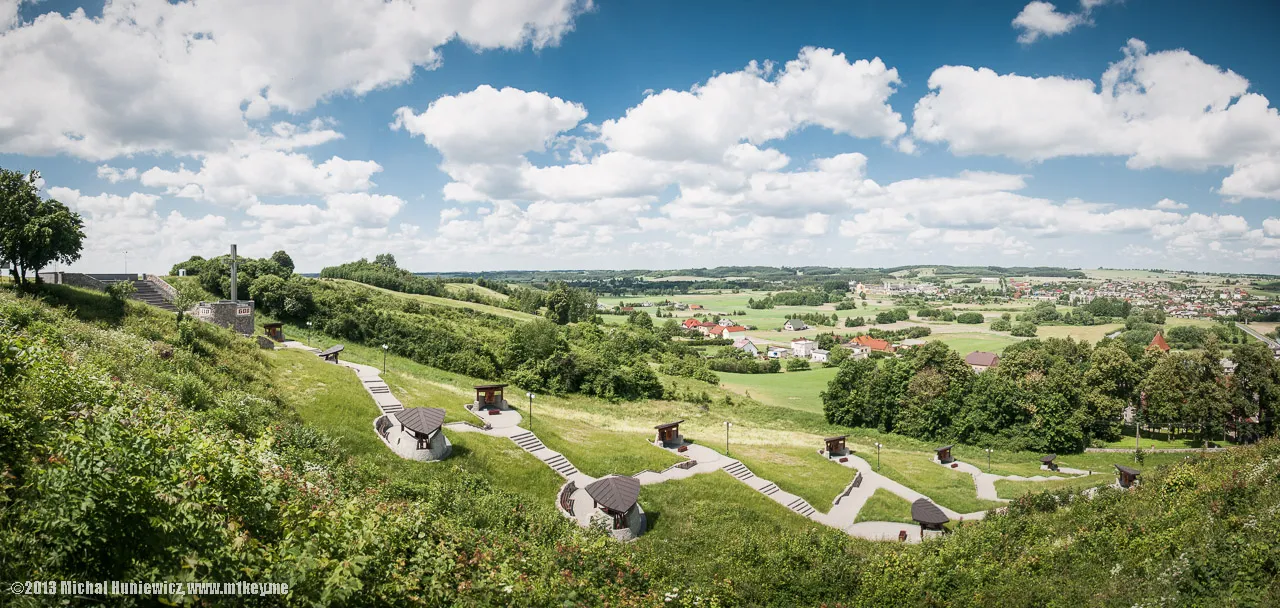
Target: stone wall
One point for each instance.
(74, 279)
(237, 316)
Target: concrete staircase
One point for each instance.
(146, 292)
(528, 442)
(799, 505)
(739, 471)
(561, 465)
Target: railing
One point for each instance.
(857, 482)
(383, 426)
(566, 494)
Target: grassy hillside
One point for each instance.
(135, 449)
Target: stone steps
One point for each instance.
(802, 507)
(561, 465)
(739, 471)
(770, 489)
(528, 442)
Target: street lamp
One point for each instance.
(727, 424)
(126, 261)
(384, 358)
(878, 446)
(530, 396)
(308, 333)
(988, 460)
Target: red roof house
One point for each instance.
(874, 344)
(691, 323)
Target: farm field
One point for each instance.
(796, 390)
(1087, 333)
(965, 343)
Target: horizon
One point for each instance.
(614, 135)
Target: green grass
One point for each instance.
(331, 398)
(801, 471)
(597, 451)
(796, 390)
(885, 506)
(493, 310)
(465, 288)
(1013, 489)
(948, 487)
(689, 517)
(1151, 440)
(965, 342)
(1088, 333)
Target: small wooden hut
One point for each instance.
(836, 445)
(423, 423)
(275, 331)
(1128, 475)
(616, 495)
(928, 515)
(944, 454)
(1048, 462)
(489, 397)
(669, 434)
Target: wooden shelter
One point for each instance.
(928, 515)
(275, 331)
(616, 495)
(330, 354)
(489, 396)
(1048, 463)
(669, 433)
(944, 454)
(423, 423)
(836, 445)
(1128, 475)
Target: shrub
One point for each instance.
(969, 318)
(1001, 325)
(796, 364)
(1023, 329)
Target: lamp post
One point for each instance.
(878, 446)
(384, 358)
(530, 396)
(308, 333)
(727, 424)
(988, 460)
(126, 261)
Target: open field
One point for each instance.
(1087, 333)
(493, 310)
(801, 471)
(797, 390)
(599, 452)
(885, 506)
(947, 487)
(965, 343)
(465, 288)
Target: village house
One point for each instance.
(794, 325)
(706, 326)
(819, 355)
(980, 361)
(874, 344)
(778, 352)
(732, 332)
(726, 322)
(802, 347)
(691, 323)
(856, 351)
(747, 346)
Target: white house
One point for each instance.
(858, 351)
(802, 347)
(818, 355)
(726, 322)
(746, 346)
(794, 325)
(777, 352)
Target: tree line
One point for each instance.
(1054, 395)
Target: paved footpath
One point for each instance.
(841, 515)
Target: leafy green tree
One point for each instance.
(385, 260)
(797, 364)
(1001, 325)
(1023, 329)
(283, 259)
(35, 232)
(969, 318)
(1111, 383)
(1256, 384)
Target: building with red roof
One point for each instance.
(1158, 342)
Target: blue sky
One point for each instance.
(558, 134)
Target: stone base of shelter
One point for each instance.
(405, 445)
(670, 444)
(477, 406)
(636, 523)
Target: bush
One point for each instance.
(796, 364)
(969, 318)
(1001, 325)
(1023, 329)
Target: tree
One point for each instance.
(286, 262)
(35, 232)
(1111, 385)
(796, 364)
(1001, 325)
(385, 259)
(969, 318)
(1256, 384)
(1023, 329)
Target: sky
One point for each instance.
(466, 135)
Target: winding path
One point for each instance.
(842, 515)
